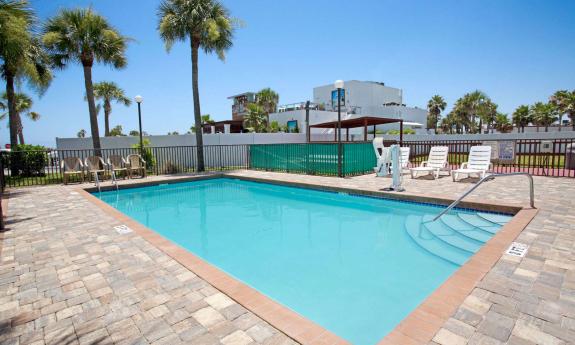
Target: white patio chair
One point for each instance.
(436, 162)
(478, 163)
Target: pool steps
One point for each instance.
(454, 237)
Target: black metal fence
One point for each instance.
(530, 155)
(30, 168)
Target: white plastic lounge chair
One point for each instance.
(136, 164)
(118, 164)
(404, 158)
(436, 162)
(72, 166)
(478, 163)
(95, 165)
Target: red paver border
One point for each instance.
(418, 327)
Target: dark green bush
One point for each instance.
(28, 160)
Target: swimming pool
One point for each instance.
(355, 265)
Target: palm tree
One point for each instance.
(21, 55)
(81, 133)
(255, 120)
(85, 37)
(268, 99)
(208, 25)
(564, 101)
(488, 114)
(521, 117)
(434, 108)
(108, 92)
(502, 123)
(543, 114)
(23, 104)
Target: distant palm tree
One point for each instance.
(109, 92)
(521, 117)
(564, 101)
(268, 99)
(543, 114)
(434, 108)
(488, 114)
(85, 37)
(81, 133)
(208, 25)
(502, 123)
(255, 120)
(23, 105)
(21, 55)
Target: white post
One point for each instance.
(227, 128)
(213, 129)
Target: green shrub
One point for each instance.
(29, 160)
(396, 131)
(147, 155)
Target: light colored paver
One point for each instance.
(67, 277)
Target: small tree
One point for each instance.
(116, 132)
(256, 119)
(81, 133)
(502, 123)
(543, 114)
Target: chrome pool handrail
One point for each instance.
(489, 178)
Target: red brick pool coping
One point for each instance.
(418, 327)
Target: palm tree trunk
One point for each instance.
(92, 108)
(560, 121)
(12, 113)
(20, 129)
(107, 111)
(197, 113)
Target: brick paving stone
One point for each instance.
(63, 253)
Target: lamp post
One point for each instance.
(139, 99)
(339, 85)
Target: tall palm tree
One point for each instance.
(23, 104)
(434, 108)
(268, 99)
(109, 92)
(21, 55)
(208, 26)
(543, 114)
(521, 117)
(83, 36)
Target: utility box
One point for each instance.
(570, 156)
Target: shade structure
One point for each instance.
(364, 121)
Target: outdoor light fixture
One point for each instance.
(338, 84)
(139, 99)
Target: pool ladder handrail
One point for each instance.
(114, 180)
(489, 178)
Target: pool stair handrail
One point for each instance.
(489, 178)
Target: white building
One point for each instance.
(360, 98)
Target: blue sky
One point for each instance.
(517, 51)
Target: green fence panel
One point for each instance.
(313, 159)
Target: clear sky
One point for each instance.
(517, 51)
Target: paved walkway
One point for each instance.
(67, 277)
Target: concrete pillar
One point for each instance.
(227, 128)
(213, 129)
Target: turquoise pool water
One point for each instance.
(355, 265)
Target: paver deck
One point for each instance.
(67, 277)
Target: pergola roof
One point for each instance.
(363, 121)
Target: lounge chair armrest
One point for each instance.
(464, 165)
